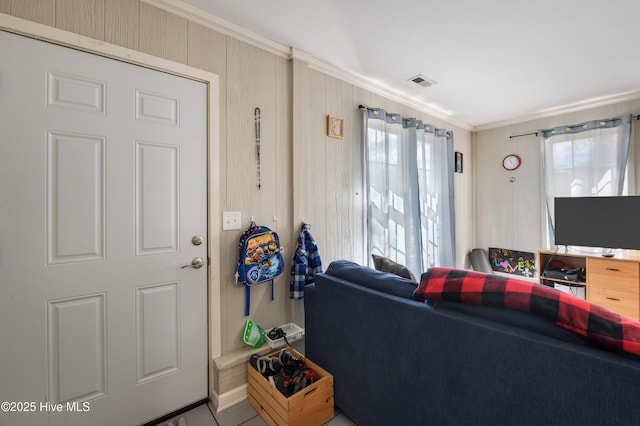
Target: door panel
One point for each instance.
(75, 197)
(156, 198)
(102, 186)
(158, 331)
(76, 349)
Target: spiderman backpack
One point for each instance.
(260, 259)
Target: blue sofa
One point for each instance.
(397, 361)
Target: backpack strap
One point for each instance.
(247, 299)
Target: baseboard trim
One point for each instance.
(228, 399)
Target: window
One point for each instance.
(409, 191)
(588, 159)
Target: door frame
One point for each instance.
(53, 35)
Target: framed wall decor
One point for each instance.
(458, 162)
(335, 126)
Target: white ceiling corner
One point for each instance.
(496, 62)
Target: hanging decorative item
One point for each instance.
(335, 126)
(257, 125)
(458, 167)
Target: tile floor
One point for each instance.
(240, 414)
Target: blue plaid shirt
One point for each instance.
(306, 263)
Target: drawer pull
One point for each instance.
(614, 299)
(613, 269)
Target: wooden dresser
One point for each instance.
(613, 283)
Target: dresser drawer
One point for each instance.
(620, 302)
(613, 274)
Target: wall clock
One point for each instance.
(511, 162)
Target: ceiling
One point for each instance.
(493, 61)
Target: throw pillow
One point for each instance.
(384, 264)
(609, 329)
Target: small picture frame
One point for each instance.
(335, 126)
(458, 167)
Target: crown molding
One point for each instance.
(192, 13)
(206, 19)
(372, 86)
(564, 109)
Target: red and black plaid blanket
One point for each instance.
(611, 330)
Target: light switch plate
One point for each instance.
(231, 220)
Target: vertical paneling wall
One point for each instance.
(256, 79)
(306, 176)
(328, 175)
(511, 214)
(329, 178)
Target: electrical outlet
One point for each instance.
(231, 221)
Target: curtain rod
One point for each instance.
(637, 117)
(525, 134)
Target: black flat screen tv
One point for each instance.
(607, 222)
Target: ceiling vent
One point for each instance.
(422, 81)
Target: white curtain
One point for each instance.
(409, 172)
(435, 159)
(587, 159)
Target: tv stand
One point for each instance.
(611, 283)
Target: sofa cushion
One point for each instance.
(368, 277)
(384, 264)
(609, 329)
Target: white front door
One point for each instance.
(102, 188)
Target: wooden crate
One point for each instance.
(310, 406)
